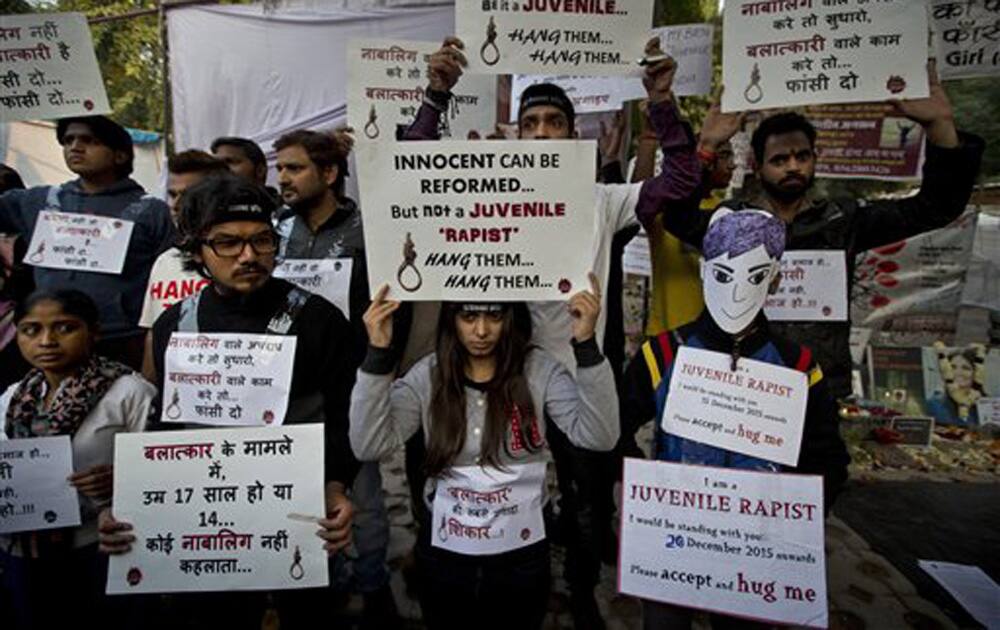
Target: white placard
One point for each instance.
(579, 37)
(782, 53)
(474, 220)
(970, 586)
(79, 242)
(209, 510)
(329, 278)
(48, 68)
(758, 410)
(227, 379)
(691, 47)
(386, 79)
(635, 258)
(736, 542)
(988, 410)
(966, 37)
(34, 492)
(813, 287)
(479, 511)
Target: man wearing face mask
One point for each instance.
(784, 149)
(742, 251)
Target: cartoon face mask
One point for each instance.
(742, 250)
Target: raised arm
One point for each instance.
(444, 68)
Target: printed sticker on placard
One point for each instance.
(79, 242)
(227, 379)
(220, 510)
(813, 288)
(737, 542)
(758, 409)
(480, 511)
(34, 493)
(327, 278)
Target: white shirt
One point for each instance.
(168, 283)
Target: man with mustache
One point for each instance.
(784, 150)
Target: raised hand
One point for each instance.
(718, 127)
(585, 307)
(445, 66)
(378, 319)
(934, 113)
(659, 78)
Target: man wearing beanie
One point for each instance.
(99, 151)
(227, 235)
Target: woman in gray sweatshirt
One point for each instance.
(484, 399)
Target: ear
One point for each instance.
(261, 172)
(121, 158)
(330, 175)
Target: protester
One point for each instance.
(226, 232)
(15, 284)
(320, 222)
(244, 158)
(784, 149)
(481, 399)
(10, 179)
(100, 152)
(71, 391)
(741, 262)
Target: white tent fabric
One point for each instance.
(236, 70)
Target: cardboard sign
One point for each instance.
(227, 379)
(813, 287)
(213, 510)
(966, 37)
(48, 68)
(478, 220)
(782, 53)
(34, 493)
(758, 410)
(736, 542)
(865, 142)
(479, 511)
(576, 37)
(988, 410)
(79, 242)
(386, 79)
(328, 278)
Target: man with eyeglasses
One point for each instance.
(227, 235)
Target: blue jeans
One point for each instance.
(368, 571)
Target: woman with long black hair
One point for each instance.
(484, 400)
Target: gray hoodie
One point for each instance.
(118, 297)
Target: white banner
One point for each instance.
(966, 37)
(580, 37)
(737, 542)
(782, 53)
(79, 242)
(48, 68)
(385, 87)
(758, 409)
(473, 220)
(479, 511)
(227, 379)
(34, 492)
(635, 258)
(813, 287)
(329, 278)
(211, 510)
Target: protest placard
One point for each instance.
(386, 79)
(34, 492)
(758, 409)
(79, 242)
(865, 141)
(227, 379)
(48, 68)
(988, 410)
(966, 37)
(216, 510)
(579, 37)
(813, 287)
(737, 542)
(328, 278)
(782, 53)
(477, 220)
(636, 258)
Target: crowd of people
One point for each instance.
(461, 387)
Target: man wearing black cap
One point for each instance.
(100, 152)
(226, 234)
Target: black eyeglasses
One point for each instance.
(232, 246)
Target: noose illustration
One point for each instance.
(409, 261)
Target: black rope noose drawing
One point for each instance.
(39, 254)
(296, 571)
(371, 127)
(409, 261)
(754, 93)
(491, 42)
(174, 409)
(443, 530)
